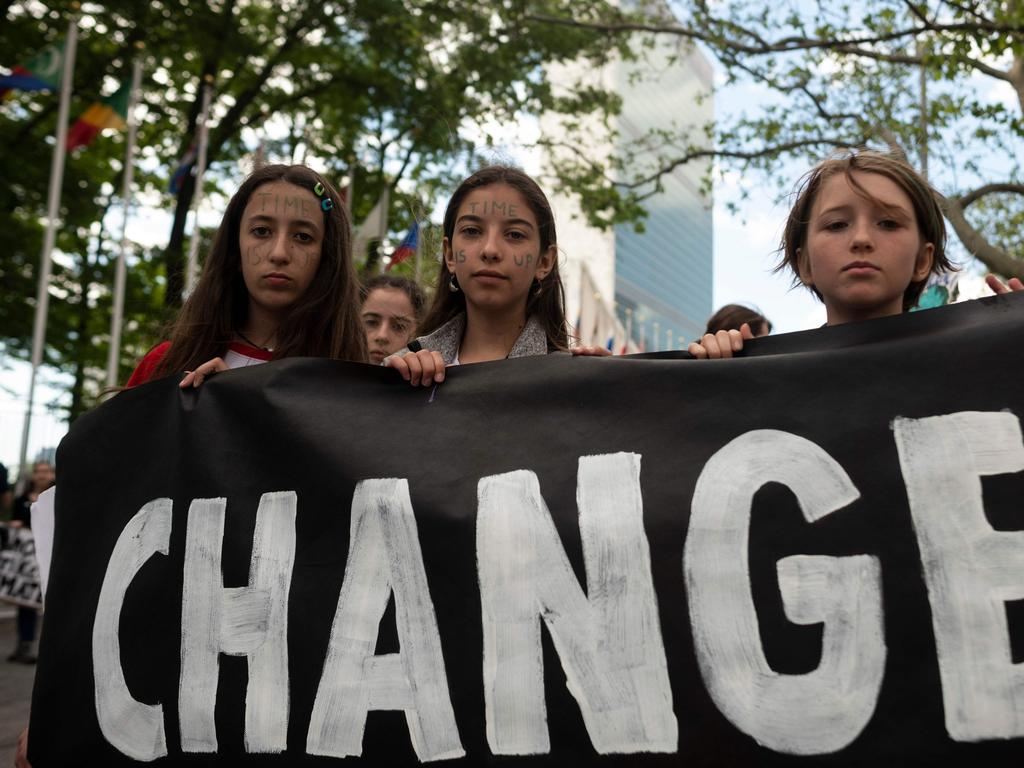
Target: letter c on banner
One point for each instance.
(136, 729)
(814, 713)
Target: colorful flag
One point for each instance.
(407, 247)
(111, 112)
(183, 169)
(41, 73)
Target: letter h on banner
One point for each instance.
(247, 621)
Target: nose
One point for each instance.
(861, 236)
(382, 333)
(491, 251)
(279, 248)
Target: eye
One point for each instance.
(834, 226)
(515, 234)
(304, 237)
(470, 230)
(371, 322)
(399, 327)
(889, 224)
(260, 230)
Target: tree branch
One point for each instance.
(784, 45)
(994, 258)
(705, 154)
(974, 195)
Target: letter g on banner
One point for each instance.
(814, 713)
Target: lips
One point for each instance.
(860, 266)
(378, 355)
(489, 274)
(277, 278)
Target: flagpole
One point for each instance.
(421, 245)
(192, 266)
(351, 190)
(383, 227)
(114, 353)
(50, 236)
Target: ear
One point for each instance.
(804, 268)
(924, 262)
(449, 254)
(546, 262)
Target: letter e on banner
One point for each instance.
(814, 713)
(970, 568)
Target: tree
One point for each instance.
(851, 74)
(384, 91)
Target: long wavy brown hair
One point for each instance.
(323, 322)
(548, 304)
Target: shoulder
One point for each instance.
(533, 340)
(146, 369)
(446, 339)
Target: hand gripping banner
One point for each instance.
(813, 553)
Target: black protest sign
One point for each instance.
(19, 572)
(813, 552)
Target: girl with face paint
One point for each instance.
(498, 293)
(278, 282)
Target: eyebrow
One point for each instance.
(889, 208)
(476, 219)
(305, 222)
(393, 317)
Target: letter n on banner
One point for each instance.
(609, 643)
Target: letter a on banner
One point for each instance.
(971, 569)
(384, 555)
(813, 713)
(609, 643)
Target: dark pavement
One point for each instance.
(15, 689)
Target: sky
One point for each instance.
(745, 243)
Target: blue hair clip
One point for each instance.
(326, 204)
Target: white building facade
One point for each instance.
(658, 283)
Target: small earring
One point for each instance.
(538, 289)
(453, 284)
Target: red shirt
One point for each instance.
(237, 356)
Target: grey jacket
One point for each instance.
(448, 338)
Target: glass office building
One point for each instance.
(659, 281)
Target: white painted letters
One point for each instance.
(818, 712)
(247, 621)
(609, 641)
(136, 729)
(384, 555)
(970, 569)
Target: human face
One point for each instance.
(862, 254)
(389, 320)
(281, 236)
(42, 476)
(495, 250)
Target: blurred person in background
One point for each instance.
(42, 477)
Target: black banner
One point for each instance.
(810, 553)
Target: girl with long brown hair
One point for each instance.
(278, 282)
(498, 293)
